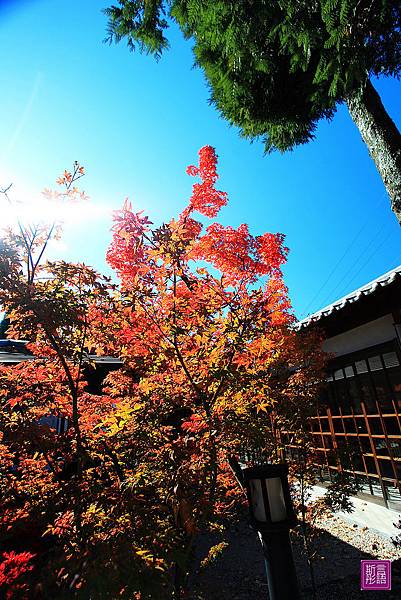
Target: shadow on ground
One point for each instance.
(239, 574)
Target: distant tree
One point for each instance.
(276, 67)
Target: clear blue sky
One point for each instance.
(136, 124)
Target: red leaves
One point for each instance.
(35, 389)
(126, 252)
(272, 254)
(12, 568)
(238, 255)
(235, 252)
(194, 425)
(205, 360)
(205, 198)
(229, 250)
(189, 229)
(192, 170)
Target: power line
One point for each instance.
(351, 268)
(385, 239)
(380, 201)
(332, 271)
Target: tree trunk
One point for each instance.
(382, 138)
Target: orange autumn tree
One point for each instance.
(70, 526)
(43, 476)
(213, 368)
(206, 324)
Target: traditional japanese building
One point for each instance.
(14, 352)
(358, 425)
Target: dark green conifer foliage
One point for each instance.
(276, 67)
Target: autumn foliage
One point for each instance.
(212, 368)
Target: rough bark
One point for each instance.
(382, 138)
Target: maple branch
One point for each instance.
(48, 237)
(22, 231)
(229, 363)
(195, 386)
(237, 472)
(49, 234)
(31, 305)
(197, 389)
(71, 383)
(183, 276)
(114, 460)
(43, 451)
(81, 350)
(174, 344)
(214, 469)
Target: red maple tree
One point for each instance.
(212, 368)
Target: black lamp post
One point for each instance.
(272, 516)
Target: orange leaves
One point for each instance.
(68, 177)
(277, 302)
(67, 180)
(64, 179)
(63, 524)
(263, 407)
(187, 227)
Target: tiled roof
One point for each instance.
(17, 357)
(14, 357)
(365, 290)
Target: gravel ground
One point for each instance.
(239, 573)
(362, 538)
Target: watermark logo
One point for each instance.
(375, 574)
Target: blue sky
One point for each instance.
(136, 124)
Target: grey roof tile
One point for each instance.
(354, 296)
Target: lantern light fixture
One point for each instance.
(272, 516)
(269, 498)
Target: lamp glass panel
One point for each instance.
(278, 511)
(258, 506)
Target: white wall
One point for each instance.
(372, 333)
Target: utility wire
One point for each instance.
(348, 248)
(333, 271)
(383, 241)
(355, 262)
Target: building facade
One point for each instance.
(357, 428)
(13, 352)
